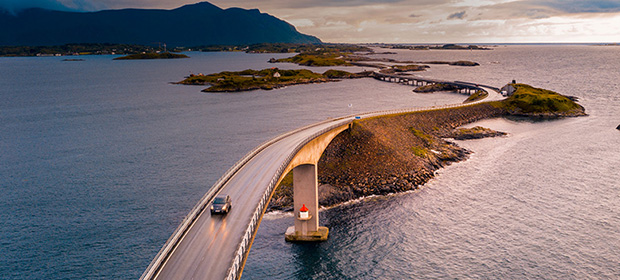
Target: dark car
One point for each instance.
(221, 204)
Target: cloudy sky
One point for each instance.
(411, 21)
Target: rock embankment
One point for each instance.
(435, 87)
(400, 152)
(476, 132)
(387, 154)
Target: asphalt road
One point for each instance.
(208, 248)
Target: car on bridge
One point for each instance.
(221, 204)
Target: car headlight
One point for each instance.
(211, 207)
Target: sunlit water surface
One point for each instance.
(102, 159)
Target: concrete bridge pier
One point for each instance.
(305, 193)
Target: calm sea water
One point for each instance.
(100, 160)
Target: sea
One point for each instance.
(100, 160)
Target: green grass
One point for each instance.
(252, 79)
(428, 140)
(326, 59)
(527, 99)
(478, 95)
(420, 152)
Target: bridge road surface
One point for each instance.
(208, 248)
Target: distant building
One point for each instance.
(508, 90)
(276, 75)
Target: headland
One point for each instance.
(402, 152)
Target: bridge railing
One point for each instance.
(241, 252)
(172, 242)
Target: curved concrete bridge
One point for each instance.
(216, 247)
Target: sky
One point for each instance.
(409, 21)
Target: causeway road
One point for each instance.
(208, 244)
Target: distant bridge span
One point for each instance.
(216, 247)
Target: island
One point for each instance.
(265, 79)
(75, 49)
(476, 132)
(529, 101)
(454, 63)
(434, 47)
(401, 152)
(162, 55)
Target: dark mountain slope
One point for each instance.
(190, 25)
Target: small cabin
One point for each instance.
(276, 75)
(508, 90)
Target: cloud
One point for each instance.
(539, 9)
(14, 6)
(580, 6)
(459, 15)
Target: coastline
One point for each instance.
(402, 152)
(391, 154)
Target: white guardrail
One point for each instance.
(236, 266)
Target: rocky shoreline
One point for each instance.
(389, 154)
(476, 132)
(401, 152)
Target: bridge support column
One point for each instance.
(305, 192)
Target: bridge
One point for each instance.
(216, 247)
(464, 87)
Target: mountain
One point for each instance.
(191, 25)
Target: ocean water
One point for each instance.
(100, 160)
(540, 203)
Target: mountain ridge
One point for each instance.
(190, 25)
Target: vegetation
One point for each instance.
(419, 152)
(404, 68)
(321, 59)
(436, 47)
(409, 68)
(264, 79)
(478, 95)
(74, 49)
(476, 132)
(399, 152)
(531, 101)
(454, 63)
(388, 154)
(165, 55)
(435, 87)
(339, 74)
(421, 135)
(464, 63)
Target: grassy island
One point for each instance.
(454, 63)
(265, 79)
(401, 152)
(316, 59)
(164, 55)
(435, 87)
(540, 103)
(478, 95)
(476, 132)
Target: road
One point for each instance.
(208, 248)
(207, 244)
